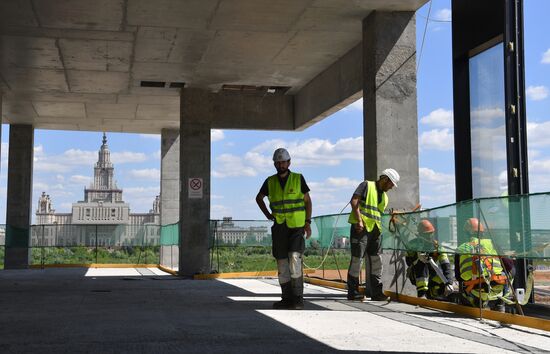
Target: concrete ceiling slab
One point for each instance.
(60, 109)
(30, 52)
(31, 79)
(17, 13)
(329, 47)
(62, 55)
(96, 55)
(189, 14)
(157, 112)
(98, 81)
(106, 15)
(23, 109)
(110, 110)
(258, 15)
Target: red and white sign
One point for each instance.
(195, 188)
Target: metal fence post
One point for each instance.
(96, 244)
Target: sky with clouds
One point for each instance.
(329, 154)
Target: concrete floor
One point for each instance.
(147, 311)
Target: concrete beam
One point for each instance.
(236, 110)
(333, 89)
(18, 208)
(169, 190)
(389, 102)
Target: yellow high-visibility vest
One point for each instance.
(371, 211)
(288, 205)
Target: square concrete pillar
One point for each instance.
(390, 118)
(169, 191)
(389, 101)
(18, 208)
(196, 110)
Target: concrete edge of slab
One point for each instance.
(508, 318)
(93, 265)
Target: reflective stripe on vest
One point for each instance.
(491, 267)
(288, 205)
(371, 211)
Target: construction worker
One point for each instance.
(479, 270)
(421, 271)
(367, 205)
(290, 206)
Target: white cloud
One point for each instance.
(430, 176)
(136, 191)
(127, 157)
(60, 178)
(536, 93)
(311, 152)
(218, 211)
(80, 180)
(38, 150)
(146, 173)
(487, 115)
(150, 136)
(232, 166)
(538, 133)
(216, 196)
(546, 57)
(443, 15)
(437, 139)
(216, 135)
(441, 118)
(436, 188)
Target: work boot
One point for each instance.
(298, 303)
(286, 302)
(353, 289)
(298, 293)
(377, 294)
(421, 294)
(499, 306)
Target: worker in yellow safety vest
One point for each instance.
(480, 270)
(290, 205)
(421, 272)
(367, 205)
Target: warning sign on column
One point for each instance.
(195, 188)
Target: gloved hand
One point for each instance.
(423, 257)
(448, 289)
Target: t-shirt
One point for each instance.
(362, 189)
(265, 189)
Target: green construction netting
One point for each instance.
(169, 235)
(517, 226)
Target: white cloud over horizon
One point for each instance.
(146, 174)
(536, 93)
(545, 57)
(437, 139)
(440, 118)
(443, 15)
(216, 135)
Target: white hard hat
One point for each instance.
(392, 175)
(281, 155)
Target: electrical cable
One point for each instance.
(424, 36)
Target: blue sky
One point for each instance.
(329, 154)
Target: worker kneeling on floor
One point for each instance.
(429, 270)
(480, 271)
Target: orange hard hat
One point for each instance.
(473, 226)
(425, 227)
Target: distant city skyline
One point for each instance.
(329, 154)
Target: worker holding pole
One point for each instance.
(367, 205)
(290, 206)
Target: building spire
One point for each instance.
(104, 139)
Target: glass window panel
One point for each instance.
(487, 120)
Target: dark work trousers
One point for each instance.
(367, 244)
(288, 245)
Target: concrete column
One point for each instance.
(389, 101)
(196, 111)
(169, 190)
(390, 118)
(18, 209)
